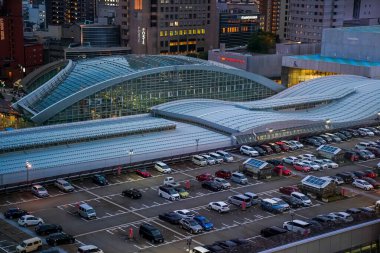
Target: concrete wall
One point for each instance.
(265, 65)
(335, 241)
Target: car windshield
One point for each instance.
(304, 198)
(193, 223)
(41, 189)
(66, 184)
(155, 232)
(221, 180)
(249, 148)
(227, 155)
(90, 211)
(23, 244)
(180, 190)
(205, 220)
(172, 191)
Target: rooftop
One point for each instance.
(317, 57)
(361, 29)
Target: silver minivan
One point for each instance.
(86, 211)
(239, 178)
(199, 160)
(239, 199)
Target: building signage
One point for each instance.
(2, 32)
(248, 17)
(222, 58)
(141, 35)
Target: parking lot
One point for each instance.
(117, 215)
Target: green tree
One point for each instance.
(261, 42)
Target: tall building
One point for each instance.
(60, 12)
(270, 15)
(122, 21)
(237, 23)
(172, 26)
(11, 40)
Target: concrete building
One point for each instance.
(349, 50)
(237, 23)
(60, 12)
(172, 27)
(269, 15)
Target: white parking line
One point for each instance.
(109, 232)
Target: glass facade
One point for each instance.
(138, 95)
(293, 76)
(107, 36)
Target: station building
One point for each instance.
(115, 86)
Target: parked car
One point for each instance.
(297, 143)
(282, 170)
(204, 222)
(151, 233)
(323, 220)
(99, 180)
(168, 192)
(313, 142)
(260, 150)
(285, 206)
(354, 132)
(218, 158)
(59, 239)
(219, 206)
(337, 180)
(288, 189)
(308, 157)
(209, 159)
(359, 174)
(185, 213)
(373, 182)
(226, 156)
(353, 211)
(370, 173)
(292, 146)
(247, 150)
(254, 197)
(39, 191)
(374, 150)
(311, 164)
(347, 177)
(366, 131)
(276, 148)
(162, 167)
(320, 139)
(29, 245)
(30, 220)
(330, 164)
(327, 138)
(272, 206)
(223, 173)
(239, 199)
(15, 213)
(290, 160)
(170, 217)
(346, 217)
(351, 155)
(224, 183)
(362, 184)
(199, 160)
(300, 166)
(63, 185)
(89, 249)
(283, 146)
(364, 154)
(292, 201)
(323, 165)
(212, 186)
(297, 226)
(204, 177)
(239, 178)
(274, 162)
(191, 225)
(272, 231)
(183, 193)
(143, 173)
(304, 199)
(170, 181)
(227, 244)
(334, 137)
(374, 130)
(268, 149)
(47, 229)
(132, 193)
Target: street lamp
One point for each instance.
(130, 153)
(270, 130)
(28, 166)
(328, 121)
(378, 115)
(197, 142)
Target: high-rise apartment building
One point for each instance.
(172, 26)
(269, 15)
(60, 12)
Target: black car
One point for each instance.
(268, 149)
(362, 154)
(367, 210)
(276, 148)
(47, 229)
(150, 233)
(354, 132)
(60, 238)
(272, 231)
(353, 211)
(351, 155)
(346, 133)
(240, 241)
(14, 213)
(319, 139)
(275, 162)
(323, 220)
(99, 180)
(313, 142)
(214, 248)
(314, 225)
(343, 137)
(212, 186)
(132, 193)
(347, 177)
(226, 244)
(260, 150)
(359, 174)
(292, 201)
(170, 217)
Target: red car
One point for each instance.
(288, 189)
(301, 167)
(370, 174)
(204, 177)
(226, 174)
(283, 146)
(143, 173)
(280, 169)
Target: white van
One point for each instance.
(89, 249)
(162, 167)
(200, 249)
(29, 245)
(199, 160)
(86, 211)
(168, 193)
(63, 185)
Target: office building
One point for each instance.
(172, 27)
(237, 23)
(100, 35)
(60, 12)
(269, 15)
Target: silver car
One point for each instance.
(224, 183)
(191, 225)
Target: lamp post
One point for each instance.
(270, 130)
(378, 115)
(292, 215)
(130, 153)
(328, 123)
(28, 166)
(197, 142)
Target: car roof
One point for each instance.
(88, 247)
(298, 193)
(270, 201)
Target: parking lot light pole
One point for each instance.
(197, 142)
(130, 153)
(378, 115)
(292, 215)
(28, 166)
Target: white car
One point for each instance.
(308, 157)
(297, 226)
(302, 197)
(362, 184)
(227, 157)
(30, 220)
(297, 143)
(39, 191)
(312, 165)
(247, 150)
(366, 131)
(290, 160)
(346, 217)
(89, 248)
(224, 183)
(219, 206)
(185, 213)
(162, 167)
(330, 164)
(218, 158)
(63, 185)
(322, 164)
(335, 179)
(378, 165)
(209, 159)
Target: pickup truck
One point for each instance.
(169, 181)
